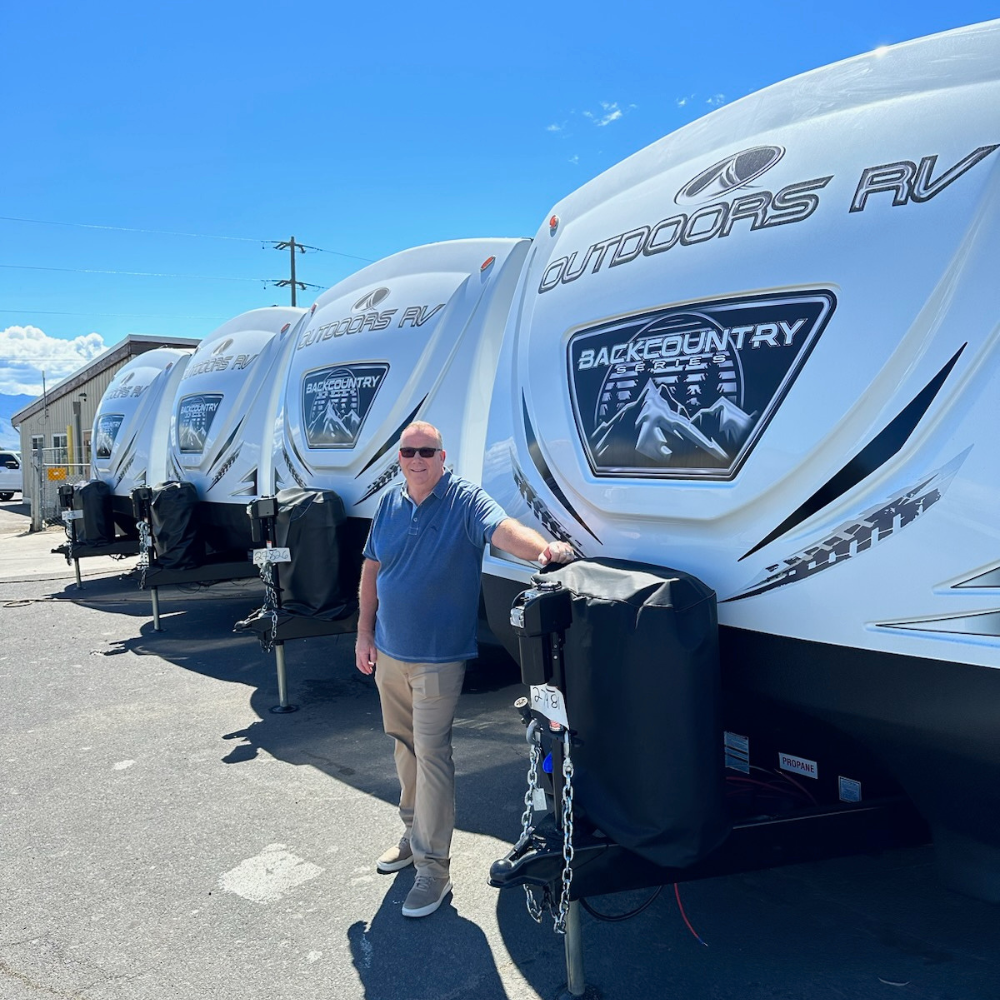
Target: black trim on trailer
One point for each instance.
(229, 441)
(394, 437)
(535, 451)
(875, 454)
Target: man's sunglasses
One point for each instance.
(422, 452)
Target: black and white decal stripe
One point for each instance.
(874, 455)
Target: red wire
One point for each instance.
(784, 775)
(680, 906)
(804, 791)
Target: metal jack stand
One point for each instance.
(263, 515)
(70, 518)
(272, 624)
(282, 708)
(576, 985)
(540, 618)
(154, 595)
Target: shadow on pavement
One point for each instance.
(455, 957)
(337, 727)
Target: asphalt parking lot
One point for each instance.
(164, 835)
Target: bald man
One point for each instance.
(419, 604)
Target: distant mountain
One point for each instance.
(9, 405)
(650, 432)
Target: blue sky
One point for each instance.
(360, 130)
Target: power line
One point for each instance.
(53, 312)
(168, 232)
(140, 274)
(131, 229)
(339, 253)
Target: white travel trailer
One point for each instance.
(764, 351)
(413, 336)
(223, 415)
(132, 425)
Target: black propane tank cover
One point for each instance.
(309, 523)
(97, 526)
(642, 688)
(177, 536)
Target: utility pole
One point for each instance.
(292, 247)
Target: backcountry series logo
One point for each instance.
(108, 425)
(194, 421)
(686, 393)
(336, 401)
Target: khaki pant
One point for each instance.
(418, 709)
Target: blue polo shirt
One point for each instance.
(430, 563)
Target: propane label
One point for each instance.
(797, 765)
(850, 790)
(737, 752)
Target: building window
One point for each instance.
(60, 448)
(37, 442)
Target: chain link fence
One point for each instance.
(49, 471)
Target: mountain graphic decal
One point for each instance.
(336, 400)
(651, 427)
(687, 393)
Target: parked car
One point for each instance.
(11, 479)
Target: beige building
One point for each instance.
(58, 424)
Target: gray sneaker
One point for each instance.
(395, 858)
(426, 895)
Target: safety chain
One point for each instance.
(559, 918)
(270, 608)
(535, 909)
(145, 544)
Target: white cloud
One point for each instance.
(26, 352)
(716, 99)
(681, 101)
(610, 111)
(575, 158)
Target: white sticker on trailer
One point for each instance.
(549, 701)
(798, 765)
(261, 557)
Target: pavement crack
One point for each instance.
(6, 970)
